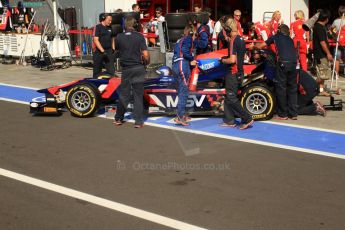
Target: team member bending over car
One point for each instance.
(286, 75)
(133, 58)
(182, 60)
(232, 105)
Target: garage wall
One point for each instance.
(111, 5)
(91, 12)
(286, 7)
(299, 5)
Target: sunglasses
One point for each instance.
(238, 15)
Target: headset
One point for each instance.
(228, 28)
(103, 16)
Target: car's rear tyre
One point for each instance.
(82, 100)
(258, 101)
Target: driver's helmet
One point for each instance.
(164, 71)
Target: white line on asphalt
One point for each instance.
(16, 86)
(101, 201)
(316, 152)
(15, 101)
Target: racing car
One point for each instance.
(84, 97)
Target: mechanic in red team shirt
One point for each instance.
(232, 105)
(300, 36)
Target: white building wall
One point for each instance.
(91, 12)
(112, 5)
(286, 7)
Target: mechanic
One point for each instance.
(321, 50)
(134, 56)
(222, 38)
(202, 36)
(308, 89)
(182, 60)
(210, 22)
(286, 75)
(104, 46)
(232, 105)
(337, 29)
(136, 8)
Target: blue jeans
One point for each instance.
(181, 70)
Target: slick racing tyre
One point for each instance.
(202, 17)
(258, 101)
(117, 18)
(82, 100)
(116, 29)
(175, 34)
(176, 20)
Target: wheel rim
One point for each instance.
(81, 101)
(256, 103)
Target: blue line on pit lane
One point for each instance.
(272, 133)
(266, 132)
(16, 93)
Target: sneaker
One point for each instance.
(247, 125)
(180, 121)
(320, 109)
(226, 124)
(138, 126)
(280, 118)
(293, 118)
(118, 122)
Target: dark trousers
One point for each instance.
(106, 59)
(286, 89)
(132, 80)
(232, 106)
(306, 106)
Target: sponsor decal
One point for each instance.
(192, 101)
(49, 110)
(207, 66)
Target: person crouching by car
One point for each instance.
(308, 89)
(133, 58)
(232, 105)
(182, 60)
(104, 46)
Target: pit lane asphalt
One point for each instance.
(256, 187)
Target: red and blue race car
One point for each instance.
(84, 97)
